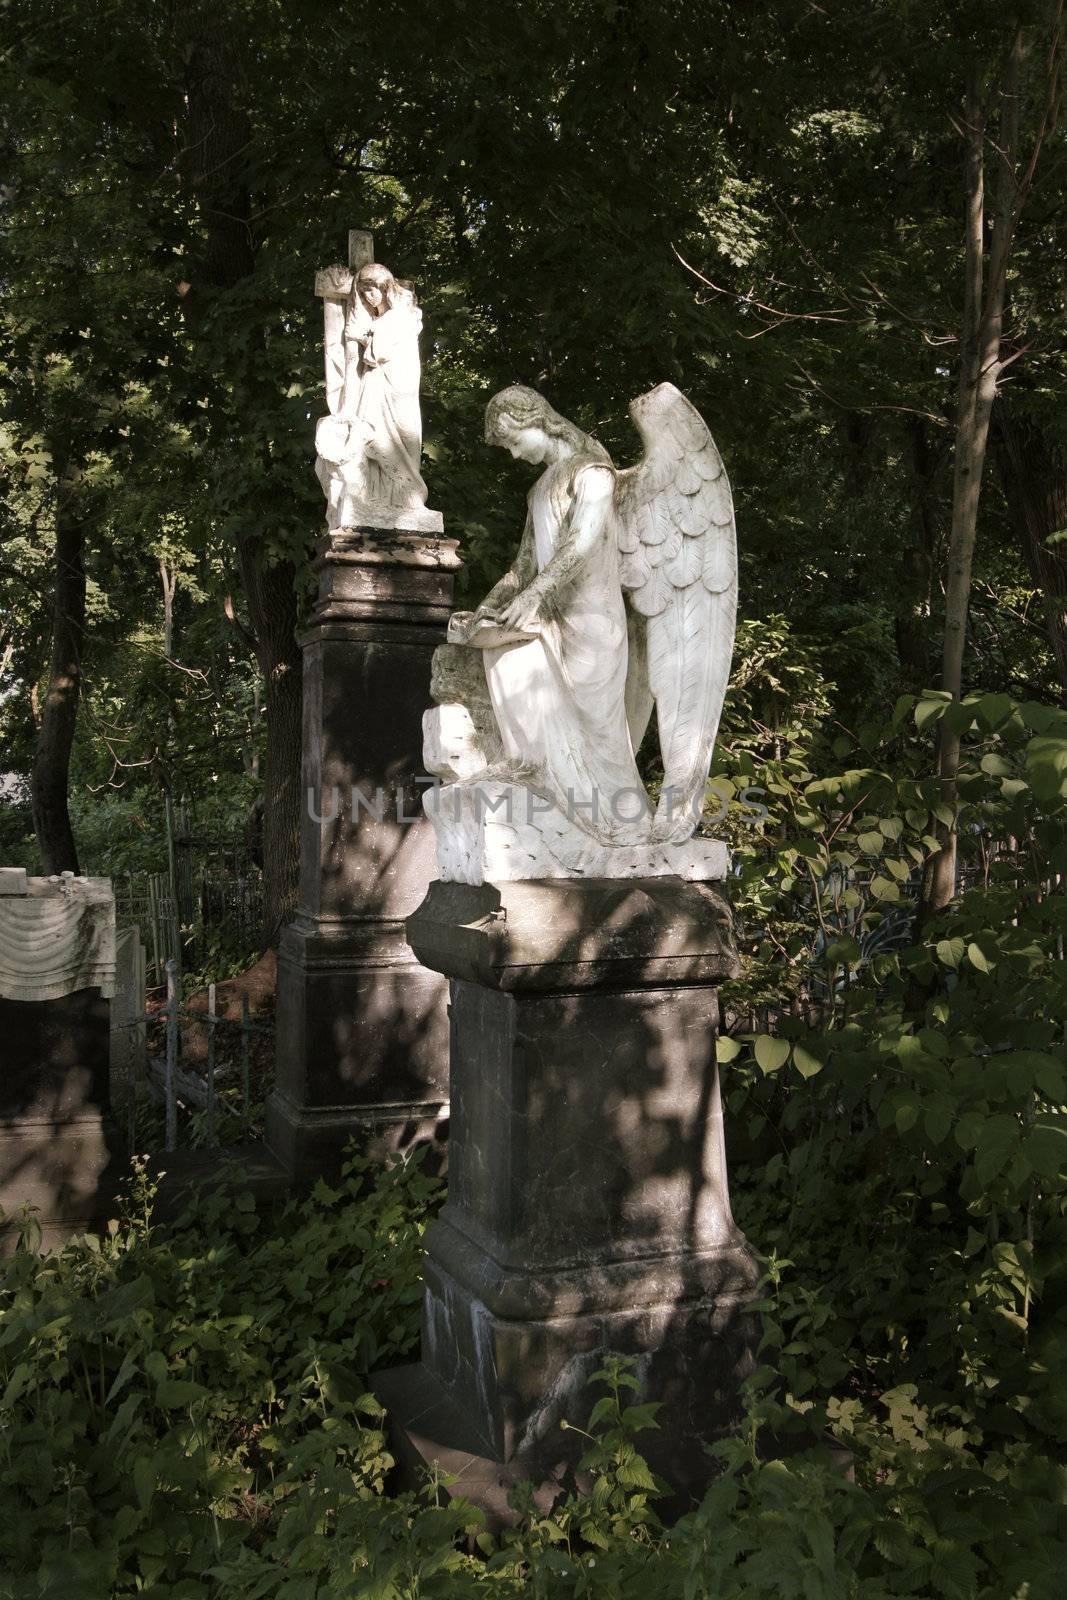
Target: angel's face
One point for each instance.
(526, 443)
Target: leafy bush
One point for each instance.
(187, 1413)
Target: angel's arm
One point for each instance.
(522, 570)
(586, 526)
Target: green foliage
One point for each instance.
(165, 1394)
(187, 1413)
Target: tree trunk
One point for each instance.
(272, 609)
(912, 624)
(980, 358)
(217, 148)
(1033, 474)
(50, 776)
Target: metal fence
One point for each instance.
(167, 1079)
(209, 898)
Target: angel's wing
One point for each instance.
(678, 564)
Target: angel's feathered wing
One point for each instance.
(675, 519)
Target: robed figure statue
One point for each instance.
(621, 599)
(369, 448)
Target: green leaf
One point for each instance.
(907, 1115)
(950, 952)
(937, 1117)
(806, 1064)
(993, 710)
(996, 1142)
(969, 1129)
(931, 708)
(900, 711)
(1046, 766)
(978, 959)
(1045, 1148)
(726, 1048)
(174, 1393)
(16, 1385)
(771, 1053)
(144, 1480)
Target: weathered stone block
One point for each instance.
(588, 1206)
(362, 1046)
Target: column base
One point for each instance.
(362, 1049)
(310, 1142)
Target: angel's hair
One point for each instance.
(525, 408)
(375, 273)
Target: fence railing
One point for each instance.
(208, 899)
(170, 1082)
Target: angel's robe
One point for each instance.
(560, 700)
(385, 406)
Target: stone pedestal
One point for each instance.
(588, 1208)
(58, 1145)
(362, 1043)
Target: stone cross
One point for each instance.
(333, 285)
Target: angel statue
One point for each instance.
(622, 597)
(369, 447)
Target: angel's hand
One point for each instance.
(524, 614)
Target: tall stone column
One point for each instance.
(362, 1044)
(361, 1048)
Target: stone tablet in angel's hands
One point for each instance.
(483, 630)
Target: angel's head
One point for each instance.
(375, 285)
(521, 421)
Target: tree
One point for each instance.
(990, 233)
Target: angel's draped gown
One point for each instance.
(388, 406)
(560, 700)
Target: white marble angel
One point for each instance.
(369, 447)
(622, 598)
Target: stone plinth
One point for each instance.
(362, 1044)
(57, 970)
(489, 831)
(588, 1206)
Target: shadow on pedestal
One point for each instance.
(59, 1150)
(588, 1208)
(362, 1047)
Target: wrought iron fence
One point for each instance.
(168, 1080)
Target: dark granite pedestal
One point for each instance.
(362, 1044)
(588, 1208)
(59, 1149)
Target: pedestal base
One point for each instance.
(58, 1145)
(362, 1048)
(361, 1027)
(588, 1208)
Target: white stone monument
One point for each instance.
(622, 598)
(369, 444)
(361, 1027)
(575, 915)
